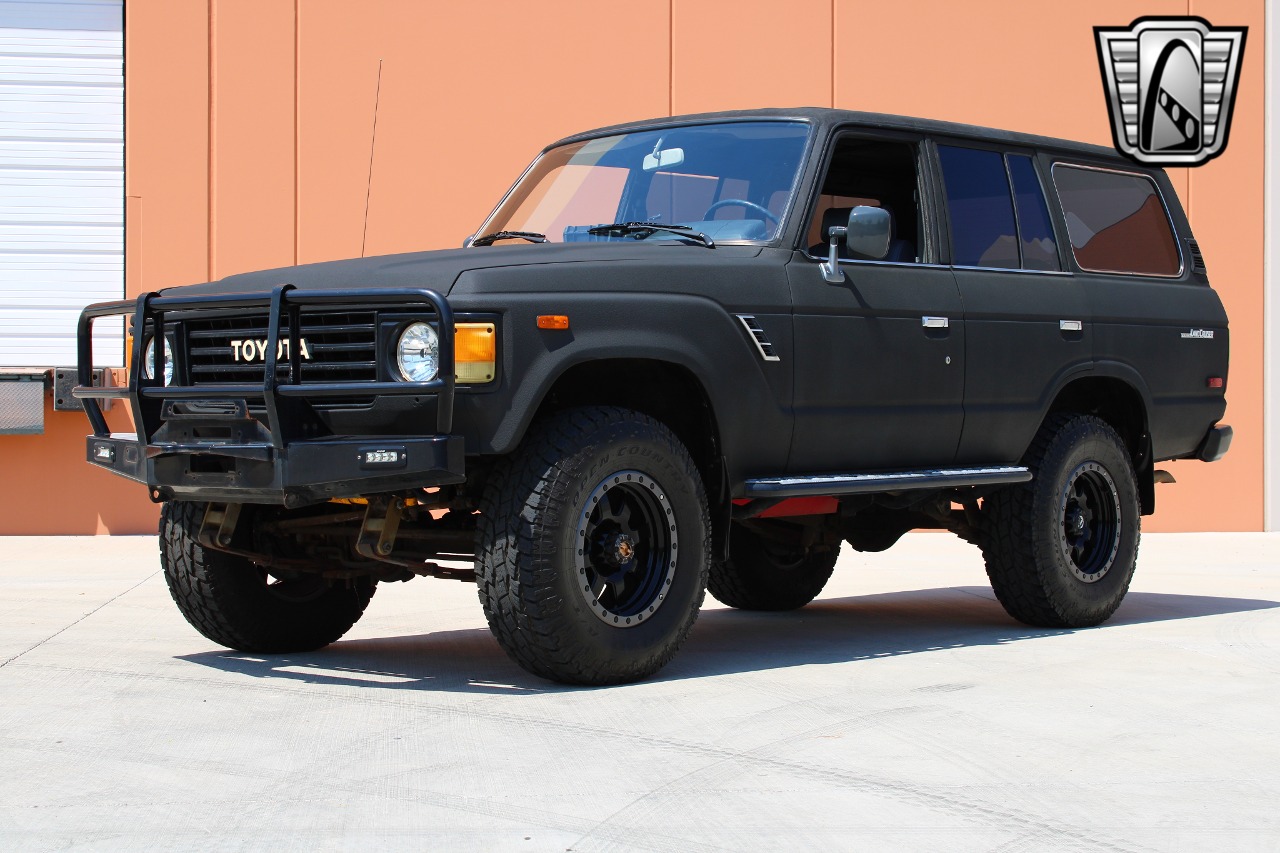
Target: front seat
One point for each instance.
(832, 216)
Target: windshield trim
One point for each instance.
(784, 219)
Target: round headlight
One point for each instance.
(148, 360)
(418, 353)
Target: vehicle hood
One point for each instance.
(437, 270)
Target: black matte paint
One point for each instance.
(860, 383)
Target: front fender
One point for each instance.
(750, 397)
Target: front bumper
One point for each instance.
(249, 443)
(303, 472)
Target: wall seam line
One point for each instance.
(1270, 310)
(211, 232)
(297, 114)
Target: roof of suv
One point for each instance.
(826, 117)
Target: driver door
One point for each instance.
(879, 355)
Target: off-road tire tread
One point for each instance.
(515, 580)
(203, 584)
(1008, 541)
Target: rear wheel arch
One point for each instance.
(1124, 407)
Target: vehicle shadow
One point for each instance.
(841, 630)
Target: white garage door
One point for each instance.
(61, 175)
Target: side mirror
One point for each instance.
(867, 235)
(869, 232)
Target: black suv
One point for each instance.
(688, 353)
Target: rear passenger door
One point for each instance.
(1027, 325)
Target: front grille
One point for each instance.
(342, 347)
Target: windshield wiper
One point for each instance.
(488, 239)
(643, 229)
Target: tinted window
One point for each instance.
(1116, 221)
(980, 207)
(1039, 249)
(876, 173)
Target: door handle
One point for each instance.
(935, 322)
(1070, 325)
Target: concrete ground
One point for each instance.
(901, 711)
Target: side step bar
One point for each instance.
(892, 481)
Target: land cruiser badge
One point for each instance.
(1171, 85)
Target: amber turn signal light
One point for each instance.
(553, 321)
(474, 352)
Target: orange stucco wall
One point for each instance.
(249, 127)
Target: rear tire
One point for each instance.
(1061, 549)
(592, 547)
(238, 604)
(764, 575)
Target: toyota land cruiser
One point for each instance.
(687, 353)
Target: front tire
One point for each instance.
(1061, 549)
(767, 574)
(238, 604)
(592, 547)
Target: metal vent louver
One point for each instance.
(762, 342)
(1197, 258)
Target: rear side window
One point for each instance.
(1117, 221)
(983, 233)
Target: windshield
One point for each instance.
(730, 181)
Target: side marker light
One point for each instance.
(553, 321)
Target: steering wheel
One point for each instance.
(740, 202)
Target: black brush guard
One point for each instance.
(200, 442)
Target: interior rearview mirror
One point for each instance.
(663, 159)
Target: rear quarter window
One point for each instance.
(1117, 221)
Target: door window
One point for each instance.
(983, 232)
(875, 173)
(1035, 231)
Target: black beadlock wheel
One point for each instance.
(1061, 549)
(241, 605)
(592, 547)
(763, 573)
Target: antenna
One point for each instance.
(373, 140)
